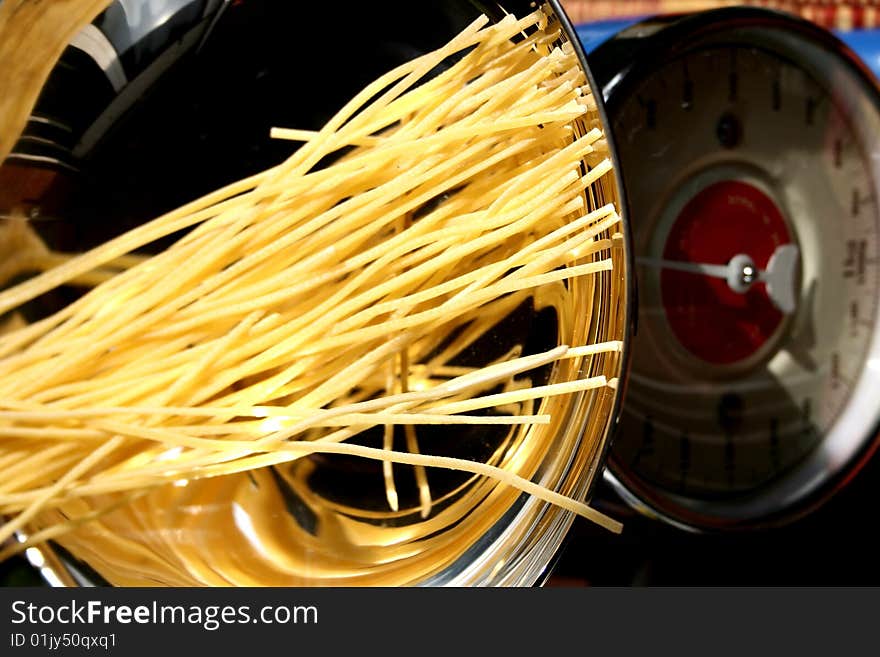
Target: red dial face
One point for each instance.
(709, 319)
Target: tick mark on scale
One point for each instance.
(650, 108)
(687, 92)
(838, 153)
(729, 131)
(647, 446)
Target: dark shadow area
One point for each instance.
(837, 545)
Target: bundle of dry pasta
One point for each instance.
(318, 314)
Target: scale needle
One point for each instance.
(741, 273)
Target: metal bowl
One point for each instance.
(153, 104)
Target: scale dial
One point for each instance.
(747, 148)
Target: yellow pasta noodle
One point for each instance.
(193, 417)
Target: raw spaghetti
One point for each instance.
(156, 426)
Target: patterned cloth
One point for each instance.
(832, 14)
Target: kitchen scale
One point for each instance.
(748, 144)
